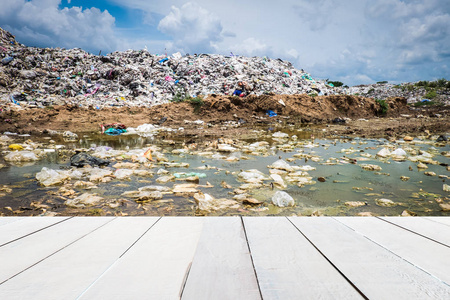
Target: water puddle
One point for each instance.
(231, 177)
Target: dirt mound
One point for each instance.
(297, 107)
(214, 109)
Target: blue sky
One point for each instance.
(353, 41)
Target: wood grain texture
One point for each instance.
(288, 266)
(423, 226)
(155, 267)
(222, 267)
(377, 272)
(69, 272)
(7, 220)
(24, 253)
(417, 250)
(14, 228)
(442, 220)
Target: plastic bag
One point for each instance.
(282, 199)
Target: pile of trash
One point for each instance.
(408, 90)
(38, 77)
(48, 76)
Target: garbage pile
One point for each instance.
(410, 91)
(37, 77)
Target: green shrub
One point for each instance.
(335, 83)
(442, 82)
(422, 83)
(196, 102)
(371, 91)
(430, 95)
(383, 106)
(382, 82)
(426, 103)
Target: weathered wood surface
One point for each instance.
(155, 267)
(22, 254)
(4, 221)
(19, 227)
(224, 258)
(415, 249)
(222, 261)
(67, 273)
(443, 220)
(289, 267)
(426, 227)
(377, 272)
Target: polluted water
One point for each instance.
(151, 172)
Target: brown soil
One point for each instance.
(297, 109)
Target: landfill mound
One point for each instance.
(39, 77)
(36, 77)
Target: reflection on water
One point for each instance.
(337, 162)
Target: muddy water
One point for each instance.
(338, 163)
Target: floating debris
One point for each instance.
(385, 202)
(282, 199)
(369, 167)
(355, 203)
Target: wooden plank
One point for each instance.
(155, 267)
(24, 253)
(428, 255)
(426, 227)
(222, 267)
(288, 266)
(377, 272)
(443, 220)
(22, 227)
(7, 220)
(69, 272)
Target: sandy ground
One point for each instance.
(364, 116)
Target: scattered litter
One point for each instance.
(385, 202)
(48, 177)
(82, 159)
(282, 199)
(15, 147)
(21, 156)
(190, 174)
(70, 136)
(271, 113)
(148, 154)
(113, 129)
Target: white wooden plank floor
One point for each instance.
(224, 258)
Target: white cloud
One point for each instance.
(251, 47)
(193, 28)
(415, 42)
(293, 53)
(349, 40)
(315, 13)
(42, 23)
